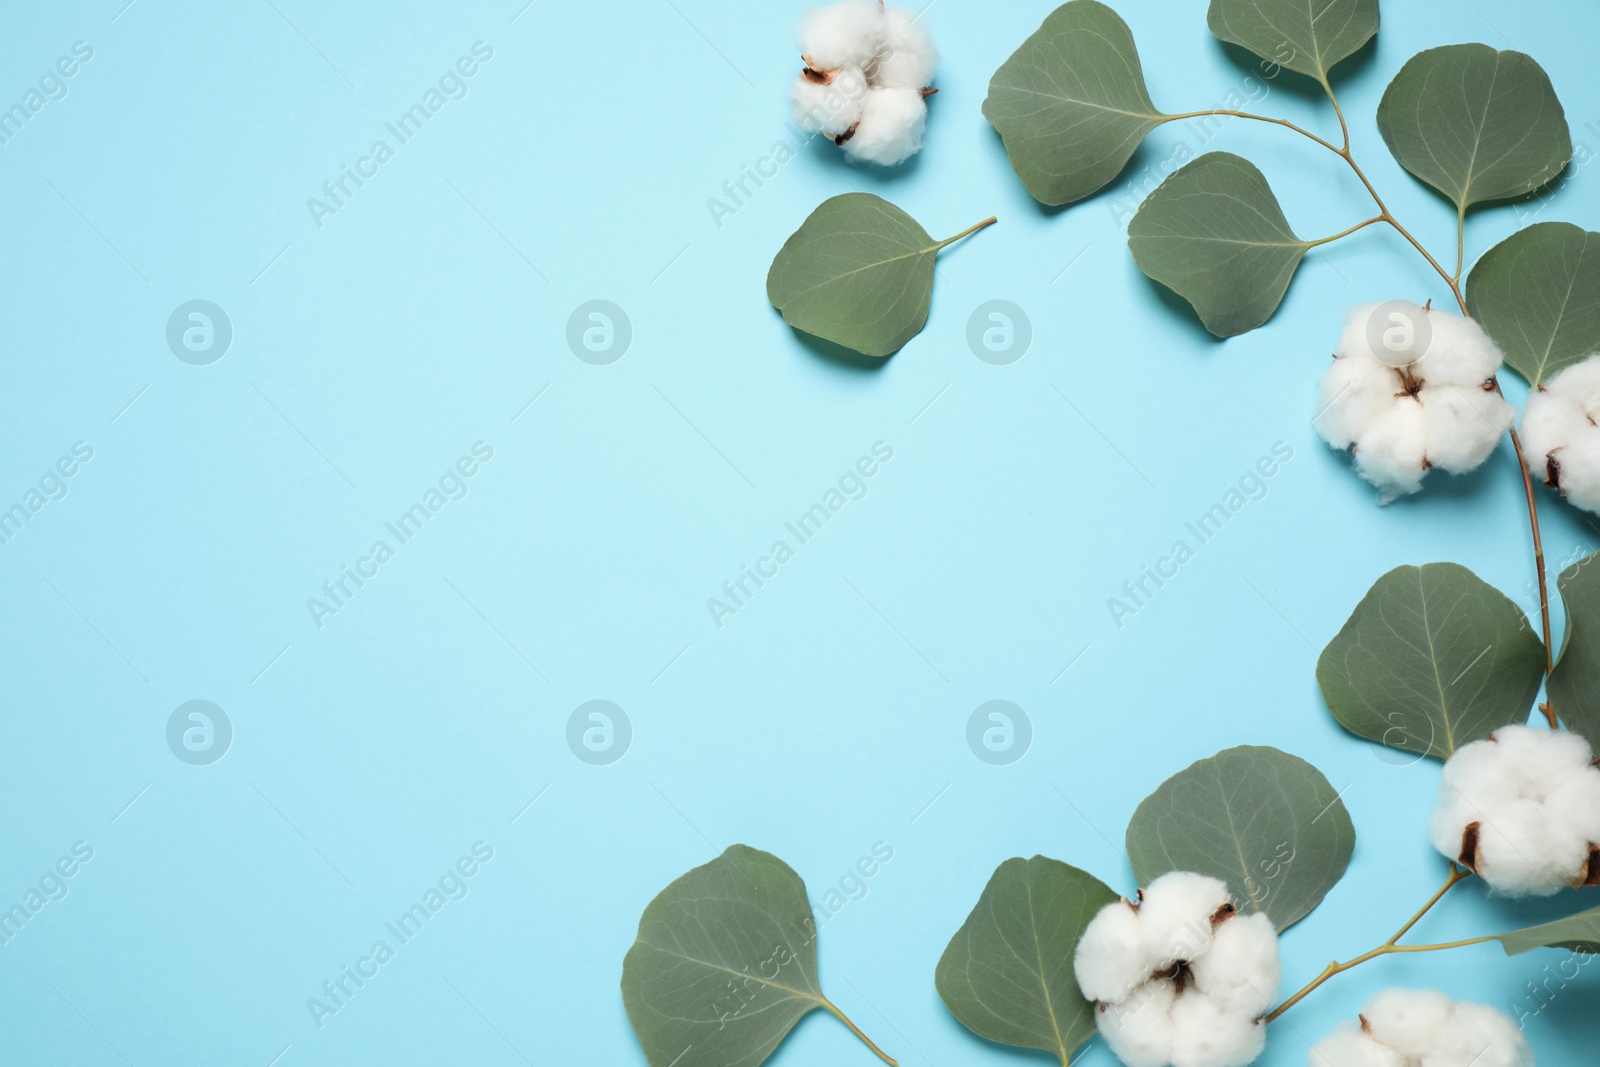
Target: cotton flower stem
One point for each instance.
(854, 1029)
(1538, 560)
(990, 221)
(1457, 874)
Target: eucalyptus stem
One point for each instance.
(990, 221)
(854, 1029)
(1454, 282)
(1345, 233)
(1391, 946)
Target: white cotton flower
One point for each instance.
(866, 79)
(1561, 432)
(1522, 809)
(1411, 388)
(1353, 1047)
(891, 127)
(1110, 960)
(1241, 969)
(1139, 1030)
(1206, 1034)
(1408, 1020)
(1422, 1028)
(831, 107)
(908, 58)
(848, 33)
(1181, 978)
(1176, 913)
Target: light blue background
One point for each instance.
(829, 713)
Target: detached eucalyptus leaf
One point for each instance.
(1537, 293)
(1214, 234)
(1574, 685)
(1580, 933)
(1307, 36)
(725, 964)
(1007, 974)
(858, 272)
(1433, 657)
(1474, 123)
(1071, 103)
(1265, 822)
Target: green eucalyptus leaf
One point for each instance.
(1265, 822)
(858, 272)
(1474, 123)
(1574, 686)
(1214, 234)
(1007, 973)
(1580, 933)
(1538, 294)
(1071, 104)
(1433, 657)
(724, 965)
(1308, 36)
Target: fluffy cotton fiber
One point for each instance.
(1560, 435)
(1522, 809)
(866, 78)
(1181, 977)
(1408, 400)
(1421, 1028)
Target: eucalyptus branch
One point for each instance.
(1391, 946)
(1454, 282)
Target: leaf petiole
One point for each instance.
(854, 1029)
(1346, 233)
(969, 231)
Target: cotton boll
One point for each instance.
(1387, 337)
(908, 58)
(1580, 470)
(849, 33)
(1478, 1036)
(1109, 962)
(1353, 1047)
(891, 127)
(1548, 425)
(1206, 1034)
(1355, 393)
(1458, 352)
(1140, 1030)
(1390, 455)
(830, 108)
(1534, 800)
(1241, 969)
(1409, 1021)
(1175, 916)
(1464, 423)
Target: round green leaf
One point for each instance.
(1538, 294)
(1071, 103)
(1007, 974)
(1574, 685)
(1474, 123)
(1265, 822)
(1214, 234)
(1580, 933)
(1305, 36)
(858, 272)
(724, 965)
(1433, 657)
